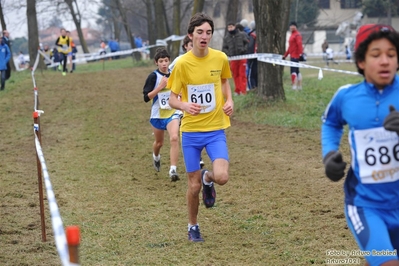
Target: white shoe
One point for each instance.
(294, 87)
(173, 175)
(299, 88)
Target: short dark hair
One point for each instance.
(293, 23)
(186, 41)
(197, 20)
(161, 53)
(360, 52)
(239, 27)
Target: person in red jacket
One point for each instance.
(295, 49)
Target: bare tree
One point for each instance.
(198, 6)
(77, 19)
(176, 27)
(4, 27)
(33, 31)
(271, 26)
(232, 11)
(160, 20)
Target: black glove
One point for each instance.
(334, 165)
(391, 122)
(283, 57)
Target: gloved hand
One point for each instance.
(391, 122)
(334, 165)
(283, 57)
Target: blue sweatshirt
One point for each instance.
(5, 56)
(374, 178)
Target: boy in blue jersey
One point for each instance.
(163, 117)
(369, 109)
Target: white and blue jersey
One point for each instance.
(160, 108)
(373, 181)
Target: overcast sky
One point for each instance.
(15, 16)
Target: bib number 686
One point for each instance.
(382, 156)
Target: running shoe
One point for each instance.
(157, 165)
(194, 234)
(208, 192)
(202, 163)
(173, 176)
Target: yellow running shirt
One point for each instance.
(199, 79)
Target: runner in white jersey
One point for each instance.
(163, 117)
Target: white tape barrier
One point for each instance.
(56, 221)
(84, 58)
(276, 59)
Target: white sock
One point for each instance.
(173, 167)
(156, 158)
(204, 181)
(190, 225)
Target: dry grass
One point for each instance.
(277, 208)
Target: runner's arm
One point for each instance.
(228, 107)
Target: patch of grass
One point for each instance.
(301, 109)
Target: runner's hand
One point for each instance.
(334, 165)
(391, 122)
(228, 108)
(192, 108)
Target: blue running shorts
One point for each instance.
(162, 123)
(194, 142)
(376, 232)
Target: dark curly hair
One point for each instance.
(197, 20)
(360, 53)
(161, 53)
(186, 41)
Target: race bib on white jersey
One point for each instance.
(377, 155)
(204, 95)
(163, 99)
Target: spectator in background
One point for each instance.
(252, 64)
(244, 24)
(103, 46)
(5, 56)
(114, 47)
(21, 60)
(330, 56)
(348, 52)
(146, 51)
(6, 40)
(49, 55)
(324, 47)
(295, 50)
(236, 43)
(138, 42)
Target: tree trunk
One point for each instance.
(77, 19)
(232, 11)
(231, 15)
(4, 27)
(33, 32)
(115, 21)
(151, 27)
(198, 6)
(160, 20)
(176, 28)
(122, 11)
(271, 26)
